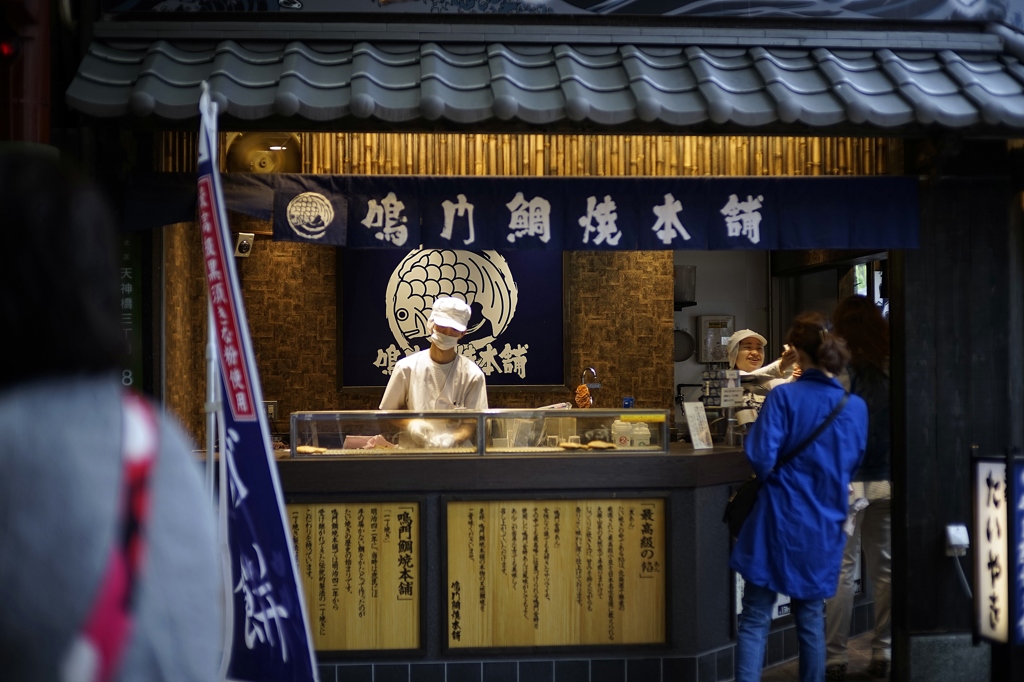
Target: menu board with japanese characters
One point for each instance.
(361, 573)
(555, 572)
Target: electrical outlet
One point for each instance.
(957, 540)
(271, 407)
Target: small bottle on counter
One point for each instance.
(641, 435)
(622, 434)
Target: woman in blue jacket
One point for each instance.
(792, 542)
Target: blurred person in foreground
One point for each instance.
(860, 323)
(792, 542)
(108, 555)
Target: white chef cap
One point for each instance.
(449, 311)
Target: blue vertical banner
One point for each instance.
(1017, 546)
(267, 636)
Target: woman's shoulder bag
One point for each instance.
(741, 502)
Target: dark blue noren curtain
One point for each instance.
(554, 214)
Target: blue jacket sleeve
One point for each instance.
(768, 434)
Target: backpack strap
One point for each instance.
(98, 648)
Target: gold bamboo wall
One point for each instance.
(290, 294)
(592, 155)
(572, 155)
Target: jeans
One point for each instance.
(872, 532)
(752, 634)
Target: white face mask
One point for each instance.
(443, 341)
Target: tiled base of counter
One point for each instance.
(714, 666)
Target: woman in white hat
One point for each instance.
(746, 353)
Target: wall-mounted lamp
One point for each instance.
(243, 244)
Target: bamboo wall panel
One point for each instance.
(361, 573)
(571, 155)
(527, 573)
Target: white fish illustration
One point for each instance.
(481, 278)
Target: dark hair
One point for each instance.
(59, 302)
(860, 323)
(810, 333)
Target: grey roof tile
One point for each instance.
(819, 109)
(673, 108)
(294, 96)
(730, 83)
(869, 95)
(98, 99)
(983, 79)
(733, 74)
(664, 73)
(802, 93)
(607, 108)
(439, 101)
(626, 80)
(1014, 68)
(936, 96)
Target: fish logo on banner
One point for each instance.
(481, 278)
(309, 208)
(266, 634)
(309, 214)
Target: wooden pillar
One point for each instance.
(25, 83)
(957, 382)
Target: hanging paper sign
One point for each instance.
(697, 420)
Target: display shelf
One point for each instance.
(458, 433)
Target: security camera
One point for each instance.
(243, 244)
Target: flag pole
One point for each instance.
(213, 403)
(266, 635)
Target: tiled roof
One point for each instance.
(675, 86)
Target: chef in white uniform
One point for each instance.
(438, 378)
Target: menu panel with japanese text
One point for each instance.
(555, 572)
(360, 569)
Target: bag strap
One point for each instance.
(810, 439)
(96, 652)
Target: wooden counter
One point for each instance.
(687, 608)
(681, 468)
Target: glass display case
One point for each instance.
(374, 433)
